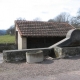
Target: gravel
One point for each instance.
(47, 69)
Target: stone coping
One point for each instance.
(34, 52)
(68, 46)
(26, 50)
(20, 55)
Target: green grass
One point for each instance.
(7, 39)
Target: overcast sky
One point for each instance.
(10, 10)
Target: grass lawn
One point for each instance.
(7, 39)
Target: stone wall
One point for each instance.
(62, 52)
(8, 46)
(14, 55)
(71, 51)
(20, 55)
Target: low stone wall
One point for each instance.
(71, 51)
(10, 56)
(8, 46)
(20, 55)
(62, 52)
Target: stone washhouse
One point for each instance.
(34, 40)
(37, 34)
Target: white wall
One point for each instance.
(16, 29)
(22, 42)
(19, 41)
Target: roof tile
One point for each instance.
(38, 28)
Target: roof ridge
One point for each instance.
(22, 21)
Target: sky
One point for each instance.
(11, 10)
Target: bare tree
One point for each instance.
(11, 30)
(78, 14)
(20, 18)
(51, 20)
(37, 19)
(75, 21)
(78, 18)
(63, 17)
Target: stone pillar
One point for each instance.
(24, 43)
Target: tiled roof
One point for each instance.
(38, 28)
